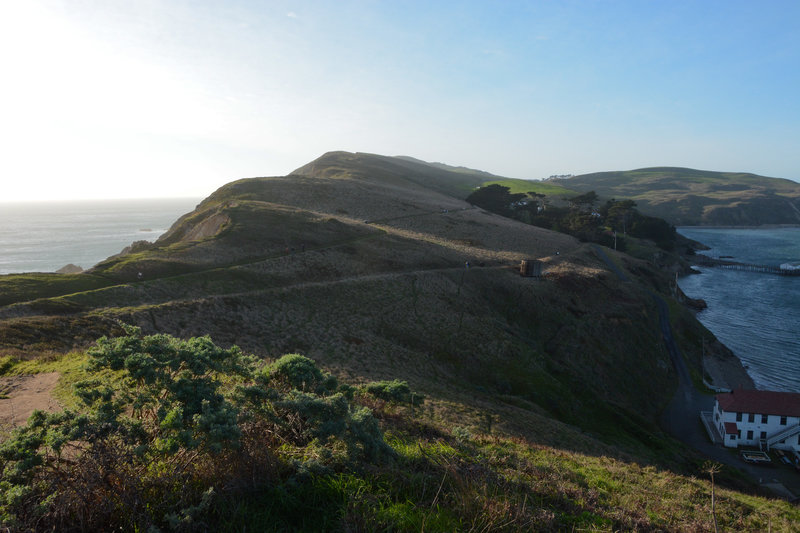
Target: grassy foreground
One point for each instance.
(165, 434)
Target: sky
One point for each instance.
(157, 98)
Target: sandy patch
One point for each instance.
(24, 394)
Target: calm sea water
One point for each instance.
(755, 315)
(43, 237)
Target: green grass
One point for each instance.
(490, 483)
(25, 287)
(525, 186)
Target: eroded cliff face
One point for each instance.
(772, 210)
(198, 225)
(209, 227)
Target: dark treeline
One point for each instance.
(582, 217)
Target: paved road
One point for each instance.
(681, 418)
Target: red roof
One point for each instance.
(731, 429)
(762, 402)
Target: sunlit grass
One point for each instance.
(525, 186)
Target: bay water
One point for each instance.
(756, 315)
(45, 236)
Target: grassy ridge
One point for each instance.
(686, 196)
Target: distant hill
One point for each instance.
(452, 180)
(688, 197)
(403, 170)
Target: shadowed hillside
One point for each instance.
(359, 261)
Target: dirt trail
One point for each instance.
(21, 395)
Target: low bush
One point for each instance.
(394, 391)
(167, 426)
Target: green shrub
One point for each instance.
(295, 371)
(394, 391)
(167, 425)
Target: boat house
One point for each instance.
(759, 418)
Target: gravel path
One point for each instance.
(24, 394)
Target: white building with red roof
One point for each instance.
(761, 418)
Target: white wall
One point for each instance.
(757, 426)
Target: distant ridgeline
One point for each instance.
(688, 197)
(581, 217)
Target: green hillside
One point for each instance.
(547, 188)
(445, 391)
(687, 197)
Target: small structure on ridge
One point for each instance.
(530, 268)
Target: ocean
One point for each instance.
(755, 315)
(43, 237)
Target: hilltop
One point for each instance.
(689, 197)
(377, 269)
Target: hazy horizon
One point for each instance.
(95, 200)
(203, 197)
(177, 98)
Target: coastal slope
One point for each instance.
(360, 262)
(380, 271)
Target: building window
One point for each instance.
(751, 418)
(783, 420)
(750, 434)
(717, 417)
(763, 434)
(764, 419)
(738, 417)
(732, 437)
(739, 433)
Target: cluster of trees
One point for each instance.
(582, 217)
(168, 426)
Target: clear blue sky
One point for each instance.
(119, 98)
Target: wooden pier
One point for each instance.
(704, 260)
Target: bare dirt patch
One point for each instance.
(21, 395)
